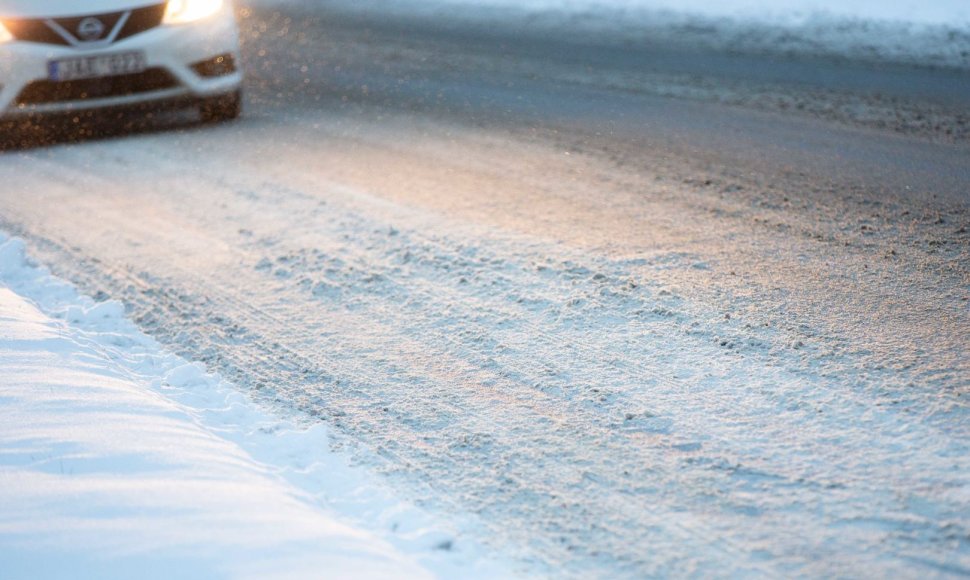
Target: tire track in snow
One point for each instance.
(178, 307)
(688, 531)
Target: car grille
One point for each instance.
(49, 92)
(68, 31)
(142, 19)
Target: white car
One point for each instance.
(61, 56)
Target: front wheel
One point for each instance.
(221, 108)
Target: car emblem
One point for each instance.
(90, 29)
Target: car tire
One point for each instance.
(222, 108)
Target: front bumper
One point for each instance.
(174, 54)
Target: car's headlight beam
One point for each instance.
(182, 11)
(5, 35)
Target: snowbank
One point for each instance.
(929, 33)
(118, 460)
(932, 12)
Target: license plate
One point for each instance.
(102, 65)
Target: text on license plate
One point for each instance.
(102, 65)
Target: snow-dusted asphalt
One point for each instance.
(630, 322)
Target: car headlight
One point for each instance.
(182, 11)
(5, 35)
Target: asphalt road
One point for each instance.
(616, 310)
(509, 78)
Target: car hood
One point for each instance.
(59, 8)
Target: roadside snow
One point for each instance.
(933, 33)
(118, 460)
(779, 11)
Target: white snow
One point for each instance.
(118, 460)
(932, 33)
(785, 11)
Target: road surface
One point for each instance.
(623, 311)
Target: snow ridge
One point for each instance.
(937, 35)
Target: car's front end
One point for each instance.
(59, 56)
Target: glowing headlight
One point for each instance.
(180, 11)
(5, 35)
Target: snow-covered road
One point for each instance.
(615, 333)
